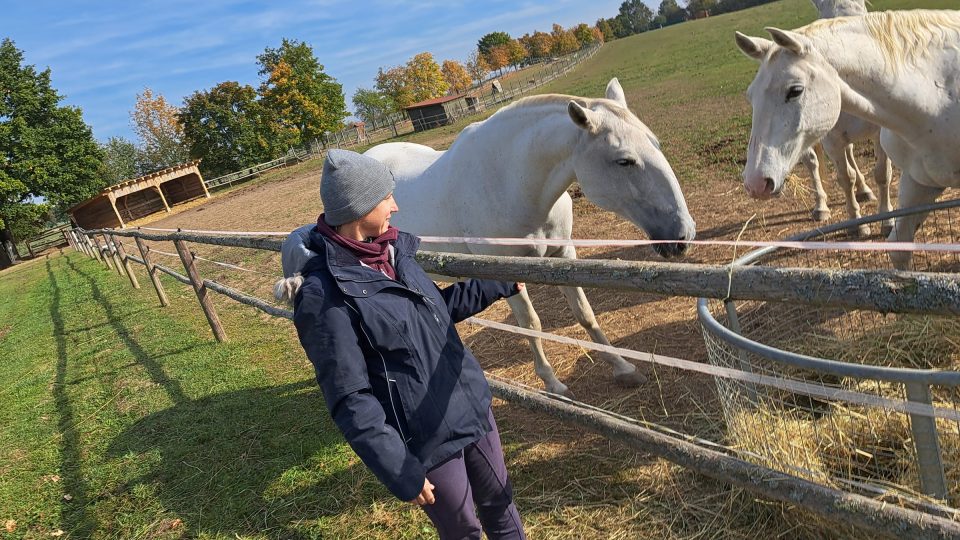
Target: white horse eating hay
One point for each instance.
(898, 69)
(508, 177)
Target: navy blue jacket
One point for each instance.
(400, 384)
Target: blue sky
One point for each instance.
(102, 53)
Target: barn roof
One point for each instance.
(434, 101)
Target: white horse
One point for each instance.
(508, 177)
(838, 144)
(897, 69)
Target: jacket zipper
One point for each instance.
(386, 373)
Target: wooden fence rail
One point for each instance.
(877, 290)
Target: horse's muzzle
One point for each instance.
(674, 249)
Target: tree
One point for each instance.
(564, 41)
(46, 150)
(420, 79)
(584, 34)
(477, 67)
(516, 53)
(597, 35)
(305, 101)
(161, 135)
(393, 84)
(121, 160)
(456, 76)
(371, 106)
(539, 44)
(635, 16)
(498, 58)
(606, 28)
(491, 40)
(227, 128)
(671, 12)
(695, 7)
(425, 77)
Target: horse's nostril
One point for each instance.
(769, 184)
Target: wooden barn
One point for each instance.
(133, 199)
(442, 111)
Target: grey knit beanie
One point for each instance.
(352, 185)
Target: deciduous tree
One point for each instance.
(425, 77)
(635, 16)
(302, 97)
(226, 127)
(159, 130)
(456, 76)
(516, 53)
(121, 160)
(498, 58)
(564, 41)
(491, 40)
(371, 106)
(46, 150)
(477, 67)
(584, 34)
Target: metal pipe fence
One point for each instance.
(901, 356)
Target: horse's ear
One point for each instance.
(755, 48)
(583, 117)
(791, 41)
(615, 92)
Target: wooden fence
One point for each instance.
(871, 290)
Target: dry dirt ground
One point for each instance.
(638, 496)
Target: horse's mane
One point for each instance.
(904, 37)
(560, 99)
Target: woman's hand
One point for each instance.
(426, 494)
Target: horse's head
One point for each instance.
(620, 167)
(796, 101)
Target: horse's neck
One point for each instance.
(871, 89)
(840, 8)
(527, 152)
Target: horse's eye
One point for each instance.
(626, 162)
(794, 92)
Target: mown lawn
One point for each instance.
(124, 420)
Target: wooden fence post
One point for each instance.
(94, 253)
(112, 247)
(104, 258)
(152, 272)
(85, 242)
(126, 262)
(201, 290)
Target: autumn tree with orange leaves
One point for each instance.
(160, 133)
(477, 66)
(420, 79)
(456, 76)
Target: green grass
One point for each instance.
(154, 430)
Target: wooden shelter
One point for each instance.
(442, 111)
(133, 199)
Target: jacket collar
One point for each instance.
(344, 265)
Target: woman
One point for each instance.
(406, 393)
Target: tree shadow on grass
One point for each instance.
(259, 460)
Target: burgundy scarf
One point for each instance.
(375, 253)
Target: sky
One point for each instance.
(103, 53)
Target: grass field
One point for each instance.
(123, 420)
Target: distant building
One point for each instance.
(442, 111)
(133, 199)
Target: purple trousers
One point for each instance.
(475, 476)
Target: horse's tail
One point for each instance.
(821, 162)
(286, 289)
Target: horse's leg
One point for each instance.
(821, 212)
(864, 193)
(527, 318)
(904, 228)
(624, 372)
(846, 174)
(883, 175)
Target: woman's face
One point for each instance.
(377, 221)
